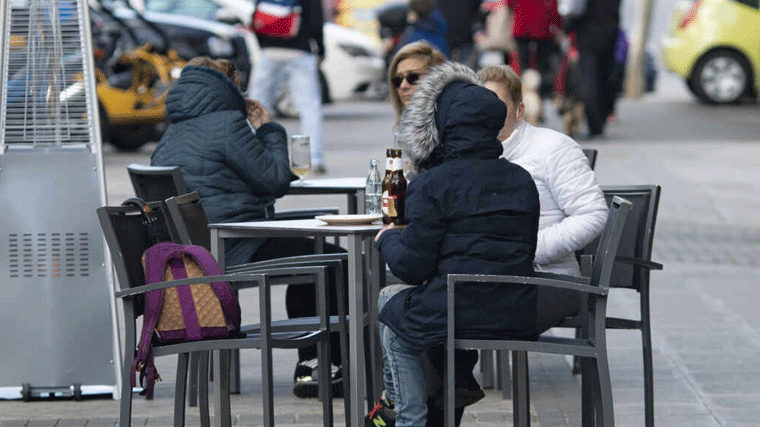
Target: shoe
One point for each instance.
(467, 391)
(306, 378)
(382, 415)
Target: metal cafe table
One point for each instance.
(365, 267)
(348, 186)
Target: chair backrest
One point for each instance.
(591, 156)
(604, 258)
(638, 233)
(127, 239)
(156, 183)
(190, 220)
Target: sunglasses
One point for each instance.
(411, 78)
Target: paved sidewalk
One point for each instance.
(704, 303)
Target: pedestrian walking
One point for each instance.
(294, 58)
(597, 33)
(461, 16)
(425, 23)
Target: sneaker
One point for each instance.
(382, 415)
(306, 378)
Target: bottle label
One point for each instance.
(389, 163)
(389, 205)
(397, 164)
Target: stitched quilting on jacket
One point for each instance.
(238, 173)
(468, 211)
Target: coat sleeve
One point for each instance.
(412, 253)
(573, 186)
(261, 158)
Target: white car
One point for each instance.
(353, 66)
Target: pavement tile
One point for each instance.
(81, 422)
(13, 423)
(41, 423)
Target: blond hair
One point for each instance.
(224, 66)
(421, 49)
(505, 75)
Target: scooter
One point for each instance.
(132, 81)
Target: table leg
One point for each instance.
(356, 329)
(217, 250)
(353, 203)
(377, 265)
(221, 389)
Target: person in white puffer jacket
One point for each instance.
(573, 209)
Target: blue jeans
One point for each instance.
(403, 371)
(303, 80)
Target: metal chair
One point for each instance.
(591, 155)
(633, 263)
(156, 183)
(126, 237)
(190, 220)
(591, 347)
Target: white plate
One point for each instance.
(357, 219)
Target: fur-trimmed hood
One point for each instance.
(451, 116)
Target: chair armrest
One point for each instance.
(288, 260)
(638, 262)
(247, 278)
(254, 277)
(578, 284)
(566, 277)
(303, 213)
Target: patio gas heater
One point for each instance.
(58, 331)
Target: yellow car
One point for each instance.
(715, 46)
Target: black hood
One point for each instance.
(452, 116)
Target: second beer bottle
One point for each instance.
(394, 189)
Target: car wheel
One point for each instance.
(721, 77)
(284, 105)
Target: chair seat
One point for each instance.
(544, 344)
(253, 341)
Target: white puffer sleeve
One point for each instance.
(574, 187)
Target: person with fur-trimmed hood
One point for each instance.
(467, 211)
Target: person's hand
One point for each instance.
(390, 226)
(257, 114)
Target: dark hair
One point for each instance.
(224, 66)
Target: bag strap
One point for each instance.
(223, 290)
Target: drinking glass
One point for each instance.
(300, 156)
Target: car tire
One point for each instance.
(721, 77)
(285, 107)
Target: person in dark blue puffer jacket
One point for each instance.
(230, 151)
(468, 211)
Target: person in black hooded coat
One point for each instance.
(468, 211)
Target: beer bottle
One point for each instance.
(397, 191)
(389, 154)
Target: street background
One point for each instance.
(706, 326)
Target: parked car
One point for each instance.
(352, 68)
(714, 46)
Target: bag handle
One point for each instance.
(149, 218)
